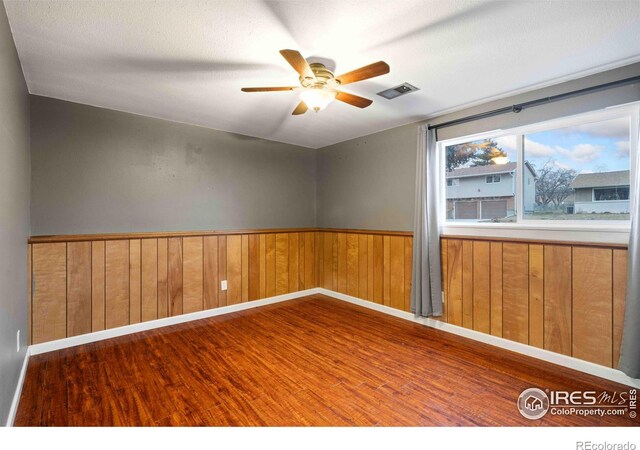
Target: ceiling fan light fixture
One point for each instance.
(320, 86)
(317, 98)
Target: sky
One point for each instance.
(594, 147)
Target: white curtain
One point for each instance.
(630, 349)
(426, 287)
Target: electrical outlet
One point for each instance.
(223, 285)
(18, 341)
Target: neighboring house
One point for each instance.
(487, 192)
(604, 192)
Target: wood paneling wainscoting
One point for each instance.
(107, 281)
(370, 266)
(564, 297)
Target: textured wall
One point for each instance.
(97, 170)
(368, 182)
(14, 214)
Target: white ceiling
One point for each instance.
(187, 60)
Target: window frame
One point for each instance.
(530, 228)
(493, 179)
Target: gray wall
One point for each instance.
(368, 182)
(14, 214)
(97, 170)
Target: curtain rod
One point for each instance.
(541, 101)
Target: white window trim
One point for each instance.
(607, 231)
(493, 177)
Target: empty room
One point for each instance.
(354, 214)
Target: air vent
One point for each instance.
(397, 91)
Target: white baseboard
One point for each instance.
(18, 393)
(545, 355)
(159, 323)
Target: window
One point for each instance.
(611, 194)
(572, 169)
(487, 190)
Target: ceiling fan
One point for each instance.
(319, 85)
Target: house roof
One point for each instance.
(482, 170)
(601, 179)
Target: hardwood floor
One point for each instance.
(314, 361)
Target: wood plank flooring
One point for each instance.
(313, 361)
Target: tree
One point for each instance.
(486, 154)
(601, 168)
(473, 153)
(553, 184)
(459, 155)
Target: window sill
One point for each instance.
(571, 232)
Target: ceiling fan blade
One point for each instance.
(353, 100)
(300, 64)
(300, 109)
(364, 73)
(268, 89)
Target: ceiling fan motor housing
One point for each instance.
(324, 78)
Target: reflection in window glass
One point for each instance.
(481, 180)
(578, 173)
(611, 194)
